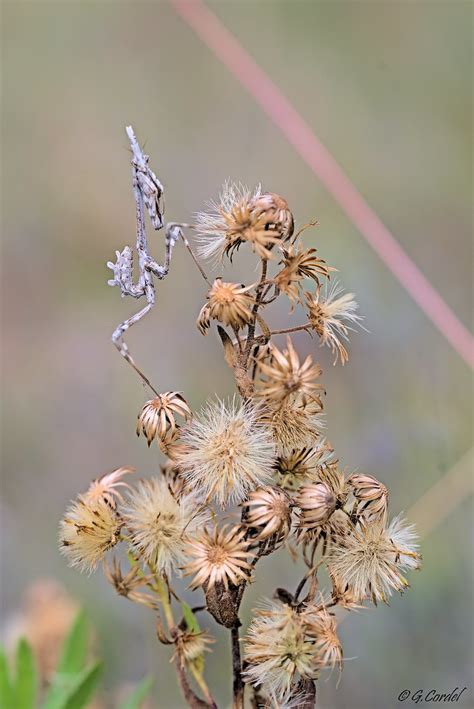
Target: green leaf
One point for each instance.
(84, 689)
(73, 691)
(73, 656)
(58, 691)
(134, 701)
(190, 618)
(26, 677)
(6, 689)
(199, 664)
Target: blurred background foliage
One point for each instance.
(387, 87)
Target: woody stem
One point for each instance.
(258, 300)
(297, 328)
(238, 684)
(191, 699)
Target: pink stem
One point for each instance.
(228, 50)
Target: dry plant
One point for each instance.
(262, 451)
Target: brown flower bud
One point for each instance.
(275, 212)
(317, 502)
(269, 512)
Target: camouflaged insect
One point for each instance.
(148, 192)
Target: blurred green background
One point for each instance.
(387, 87)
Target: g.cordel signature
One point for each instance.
(431, 695)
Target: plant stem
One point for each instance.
(297, 328)
(238, 685)
(201, 682)
(162, 590)
(258, 299)
(192, 699)
(193, 256)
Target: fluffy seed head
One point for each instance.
(226, 452)
(174, 480)
(106, 487)
(89, 529)
(294, 425)
(157, 418)
(160, 525)
(191, 646)
(268, 512)
(279, 650)
(285, 378)
(369, 561)
(322, 626)
(241, 216)
(218, 557)
(332, 317)
(228, 303)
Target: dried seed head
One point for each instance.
(302, 466)
(316, 502)
(228, 303)
(275, 212)
(226, 452)
(268, 513)
(191, 646)
(128, 585)
(369, 561)
(298, 265)
(174, 480)
(332, 318)
(105, 487)
(219, 557)
(89, 529)
(279, 651)
(157, 418)
(322, 626)
(244, 226)
(293, 424)
(334, 478)
(371, 494)
(239, 217)
(160, 525)
(336, 527)
(344, 596)
(286, 379)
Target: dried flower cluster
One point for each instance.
(262, 451)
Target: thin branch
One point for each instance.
(191, 698)
(201, 683)
(286, 330)
(193, 255)
(238, 684)
(252, 325)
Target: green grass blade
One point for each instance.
(85, 687)
(6, 688)
(26, 682)
(135, 700)
(74, 652)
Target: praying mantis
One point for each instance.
(148, 192)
